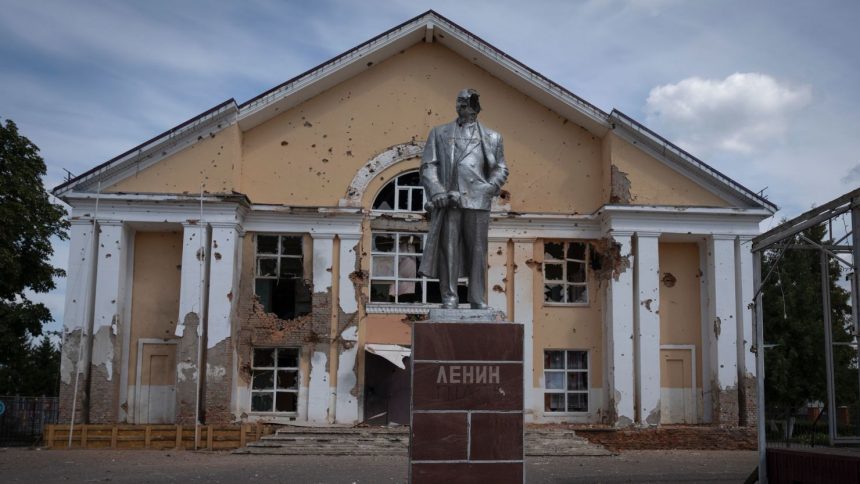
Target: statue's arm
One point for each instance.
(430, 168)
(499, 173)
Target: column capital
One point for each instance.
(498, 239)
(647, 234)
(111, 223)
(315, 236)
(524, 240)
(193, 224)
(347, 236)
(621, 233)
(226, 225)
(81, 221)
(723, 236)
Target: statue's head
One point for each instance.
(468, 104)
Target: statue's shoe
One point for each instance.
(479, 306)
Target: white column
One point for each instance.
(109, 295)
(619, 335)
(647, 318)
(225, 252)
(497, 283)
(722, 333)
(223, 282)
(322, 397)
(524, 314)
(77, 312)
(193, 279)
(746, 335)
(346, 409)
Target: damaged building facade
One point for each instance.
(258, 262)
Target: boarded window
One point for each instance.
(275, 380)
(280, 283)
(565, 272)
(565, 381)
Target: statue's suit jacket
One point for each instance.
(476, 174)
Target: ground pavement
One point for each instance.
(133, 466)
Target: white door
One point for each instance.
(157, 390)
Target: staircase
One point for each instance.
(395, 441)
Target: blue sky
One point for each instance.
(765, 91)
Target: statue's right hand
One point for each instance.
(439, 201)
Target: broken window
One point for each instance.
(394, 261)
(565, 272)
(565, 381)
(275, 380)
(402, 194)
(280, 282)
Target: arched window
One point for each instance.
(402, 194)
(396, 253)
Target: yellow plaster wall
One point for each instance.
(654, 183)
(388, 329)
(155, 289)
(309, 154)
(215, 161)
(680, 305)
(567, 327)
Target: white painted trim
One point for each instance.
(376, 165)
(681, 220)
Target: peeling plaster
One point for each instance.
(215, 372)
(318, 388)
(653, 417)
(103, 344)
(186, 372)
(69, 357)
(347, 410)
(619, 187)
(718, 325)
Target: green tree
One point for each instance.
(29, 220)
(795, 367)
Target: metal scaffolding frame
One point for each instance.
(780, 239)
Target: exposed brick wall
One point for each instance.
(219, 383)
(70, 359)
(750, 403)
(673, 437)
(186, 375)
(105, 394)
(727, 410)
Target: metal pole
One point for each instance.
(759, 367)
(828, 346)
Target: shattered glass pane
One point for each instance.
(410, 243)
(264, 380)
(288, 357)
(417, 200)
(553, 360)
(409, 292)
(261, 402)
(267, 244)
(412, 179)
(576, 250)
(267, 267)
(553, 272)
(575, 271)
(383, 266)
(403, 200)
(553, 293)
(380, 291)
(385, 199)
(577, 402)
(577, 380)
(286, 402)
(553, 402)
(577, 294)
(264, 357)
(291, 267)
(383, 243)
(577, 360)
(553, 250)
(554, 380)
(291, 246)
(287, 379)
(434, 295)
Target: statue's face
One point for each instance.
(465, 108)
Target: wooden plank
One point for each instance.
(242, 434)
(113, 435)
(84, 439)
(179, 437)
(147, 437)
(50, 439)
(209, 435)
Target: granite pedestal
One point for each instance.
(467, 399)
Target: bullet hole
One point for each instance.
(284, 143)
(217, 256)
(369, 64)
(348, 153)
(325, 160)
(308, 124)
(669, 280)
(325, 136)
(313, 145)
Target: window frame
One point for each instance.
(566, 391)
(278, 256)
(410, 189)
(564, 283)
(275, 390)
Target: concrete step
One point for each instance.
(395, 441)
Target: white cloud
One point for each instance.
(743, 113)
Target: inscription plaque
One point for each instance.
(467, 402)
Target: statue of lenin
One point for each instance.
(462, 169)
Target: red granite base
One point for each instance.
(467, 402)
